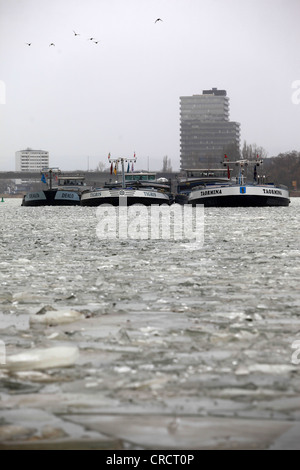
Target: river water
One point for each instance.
(150, 341)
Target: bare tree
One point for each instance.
(284, 169)
(167, 166)
(101, 167)
(250, 152)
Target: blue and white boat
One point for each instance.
(62, 190)
(237, 192)
(135, 188)
(198, 177)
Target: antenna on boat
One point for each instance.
(50, 172)
(121, 160)
(243, 164)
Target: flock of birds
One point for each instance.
(95, 41)
(75, 34)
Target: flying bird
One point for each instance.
(52, 44)
(96, 42)
(158, 19)
(91, 39)
(76, 34)
(28, 43)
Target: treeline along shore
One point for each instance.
(283, 169)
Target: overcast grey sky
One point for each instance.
(80, 100)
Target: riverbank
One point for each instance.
(11, 196)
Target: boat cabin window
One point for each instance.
(140, 176)
(205, 173)
(70, 182)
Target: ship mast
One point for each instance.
(242, 164)
(50, 179)
(114, 163)
(50, 172)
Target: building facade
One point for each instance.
(31, 160)
(205, 130)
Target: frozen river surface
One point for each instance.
(149, 344)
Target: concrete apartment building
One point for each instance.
(31, 160)
(205, 130)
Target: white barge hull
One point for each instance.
(127, 197)
(52, 197)
(240, 196)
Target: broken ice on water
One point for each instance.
(160, 330)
